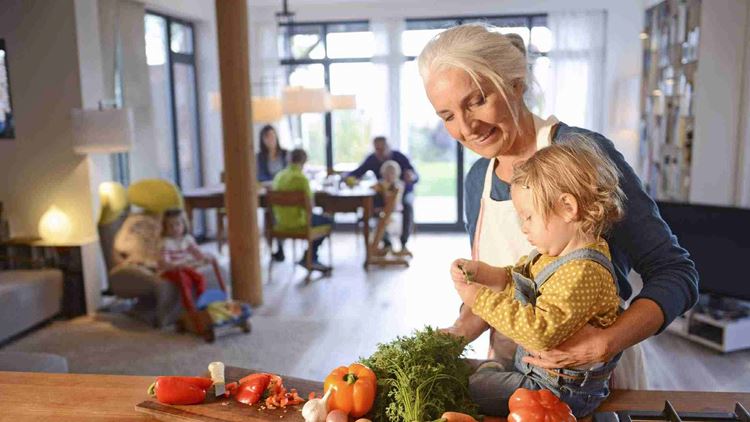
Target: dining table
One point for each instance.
(44, 397)
(331, 199)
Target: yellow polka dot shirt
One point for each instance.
(579, 292)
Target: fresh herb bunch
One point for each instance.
(420, 377)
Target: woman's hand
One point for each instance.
(461, 268)
(589, 345)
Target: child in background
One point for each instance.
(566, 197)
(180, 256)
(390, 189)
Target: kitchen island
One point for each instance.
(88, 397)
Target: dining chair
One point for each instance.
(307, 233)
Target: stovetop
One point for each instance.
(669, 414)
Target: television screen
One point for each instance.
(718, 240)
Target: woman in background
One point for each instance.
(272, 158)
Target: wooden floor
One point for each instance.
(359, 309)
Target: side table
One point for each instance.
(34, 253)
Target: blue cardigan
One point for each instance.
(641, 241)
(264, 174)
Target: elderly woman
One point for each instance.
(475, 79)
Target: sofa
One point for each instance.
(28, 298)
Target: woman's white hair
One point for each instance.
(483, 53)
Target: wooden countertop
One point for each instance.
(78, 397)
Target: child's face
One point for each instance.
(548, 237)
(175, 227)
(389, 175)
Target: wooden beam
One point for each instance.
(239, 156)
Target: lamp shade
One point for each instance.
(102, 131)
(298, 100)
(343, 102)
(266, 109)
(55, 225)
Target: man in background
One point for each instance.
(373, 162)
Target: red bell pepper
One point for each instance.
(251, 388)
(538, 406)
(180, 390)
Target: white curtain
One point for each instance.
(576, 86)
(126, 77)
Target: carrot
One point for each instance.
(457, 417)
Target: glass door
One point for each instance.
(170, 55)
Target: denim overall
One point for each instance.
(582, 390)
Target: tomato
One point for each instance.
(354, 389)
(538, 406)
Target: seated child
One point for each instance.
(566, 197)
(390, 190)
(180, 256)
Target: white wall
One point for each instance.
(39, 167)
(623, 46)
(714, 176)
(743, 163)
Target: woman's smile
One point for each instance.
(484, 138)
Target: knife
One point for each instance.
(216, 369)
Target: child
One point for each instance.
(566, 196)
(390, 190)
(180, 256)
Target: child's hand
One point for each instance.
(464, 270)
(467, 292)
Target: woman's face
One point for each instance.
(269, 139)
(484, 124)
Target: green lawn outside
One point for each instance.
(436, 179)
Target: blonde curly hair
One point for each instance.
(578, 167)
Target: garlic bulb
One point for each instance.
(316, 410)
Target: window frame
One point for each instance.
(288, 62)
(186, 59)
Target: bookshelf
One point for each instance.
(667, 123)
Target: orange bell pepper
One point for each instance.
(538, 406)
(354, 389)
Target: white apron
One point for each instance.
(498, 241)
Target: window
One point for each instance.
(336, 56)
(170, 54)
(339, 56)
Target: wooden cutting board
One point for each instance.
(227, 409)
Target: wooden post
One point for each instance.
(239, 156)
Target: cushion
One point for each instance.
(114, 200)
(138, 240)
(155, 195)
